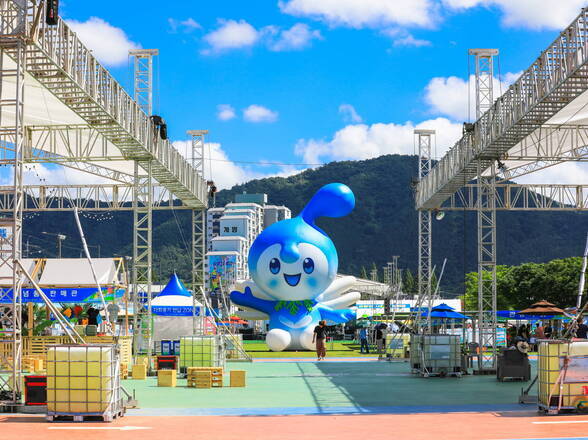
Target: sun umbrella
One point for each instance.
(443, 311)
(542, 308)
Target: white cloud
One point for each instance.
(225, 112)
(298, 37)
(411, 41)
(186, 26)
(108, 43)
(230, 35)
(365, 13)
(567, 173)
(40, 174)
(401, 37)
(224, 172)
(233, 35)
(349, 114)
(449, 96)
(530, 14)
(259, 113)
(362, 141)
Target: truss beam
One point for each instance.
(529, 197)
(110, 197)
(554, 80)
(59, 61)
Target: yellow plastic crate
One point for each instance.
(139, 371)
(237, 378)
(166, 378)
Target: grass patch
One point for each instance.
(258, 349)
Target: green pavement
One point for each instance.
(258, 349)
(329, 384)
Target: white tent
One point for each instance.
(173, 311)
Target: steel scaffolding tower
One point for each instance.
(425, 141)
(486, 215)
(142, 257)
(12, 137)
(198, 230)
(143, 77)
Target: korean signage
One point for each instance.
(65, 295)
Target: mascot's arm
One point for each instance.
(337, 316)
(336, 288)
(343, 301)
(246, 299)
(242, 285)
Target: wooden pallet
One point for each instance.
(205, 377)
(124, 371)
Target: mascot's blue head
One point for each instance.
(294, 259)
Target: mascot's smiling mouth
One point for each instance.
(292, 280)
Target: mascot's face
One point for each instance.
(293, 259)
(303, 278)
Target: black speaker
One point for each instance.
(52, 12)
(163, 131)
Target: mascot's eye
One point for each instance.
(308, 265)
(274, 266)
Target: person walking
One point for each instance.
(381, 339)
(363, 339)
(582, 330)
(319, 335)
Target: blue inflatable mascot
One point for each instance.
(293, 266)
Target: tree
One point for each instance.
(409, 282)
(517, 287)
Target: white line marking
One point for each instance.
(560, 422)
(120, 428)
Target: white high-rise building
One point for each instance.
(230, 232)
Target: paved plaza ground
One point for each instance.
(298, 398)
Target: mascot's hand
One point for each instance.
(338, 316)
(247, 299)
(240, 297)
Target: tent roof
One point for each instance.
(542, 308)
(442, 307)
(6, 272)
(175, 287)
(73, 272)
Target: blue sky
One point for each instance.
(298, 61)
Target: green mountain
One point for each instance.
(384, 223)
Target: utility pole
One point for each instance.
(59, 237)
